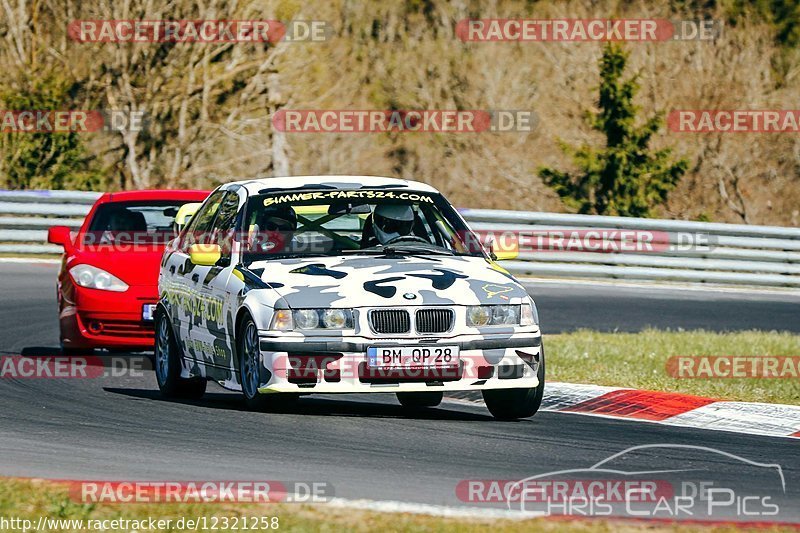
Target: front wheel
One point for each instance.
(511, 404)
(419, 400)
(247, 347)
(168, 365)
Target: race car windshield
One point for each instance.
(362, 221)
(127, 222)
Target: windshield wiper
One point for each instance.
(402, 249)
(412, 249)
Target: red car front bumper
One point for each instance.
(92, 318)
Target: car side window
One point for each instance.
(200, 225)
(222, 232)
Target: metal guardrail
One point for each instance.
(698, 252)
(733, 254)
(25, 217)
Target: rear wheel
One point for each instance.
(511, 404)
(419, 400)
(168, 365)
(250, 370)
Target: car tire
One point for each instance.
(249, 353)
(419, 400)
(167, 365)
(512, 404)
(75, 352)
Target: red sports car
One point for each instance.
(108, 282)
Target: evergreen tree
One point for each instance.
(625, 177)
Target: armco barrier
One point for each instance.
(737, 254)
(734, 254)
(25, 217)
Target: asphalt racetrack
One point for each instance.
(363, 445)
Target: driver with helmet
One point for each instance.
(274, 231)
(390, 222)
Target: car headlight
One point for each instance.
(479, 315)
(529, 316)
(306, 318)
(493, 315)
(92, 277)
(286, 320)
(282, 320)
(336, 318)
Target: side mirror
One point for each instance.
(185, 214)
(504, 253)
(205, 254)
(59, 235)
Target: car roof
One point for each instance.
(154, 194)
(264, 185)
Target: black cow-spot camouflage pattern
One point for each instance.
(206, 314)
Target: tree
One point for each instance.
(44, 160)
(625, 177)
(205, 107)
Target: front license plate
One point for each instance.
(147, 312)
(412, 356)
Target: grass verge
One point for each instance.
(639, 360)
(30, 499)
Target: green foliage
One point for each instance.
(62, 507)
(783, 18)
(625, 177)
(44, 160)
(784, 15)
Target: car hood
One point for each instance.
(358, 281)
(136, 268)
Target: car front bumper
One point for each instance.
(103, 319)
(339, 365)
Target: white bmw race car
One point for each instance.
(283, 287)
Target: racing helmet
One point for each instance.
(274, 229)
(278, 218)
(390, 221)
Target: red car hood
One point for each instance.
(139, 267)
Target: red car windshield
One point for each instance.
(129, 222)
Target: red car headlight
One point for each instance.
(96, 278)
